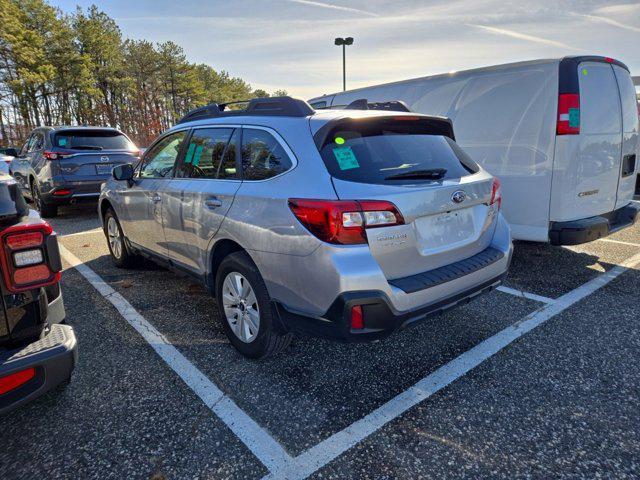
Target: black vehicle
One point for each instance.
(37, 352)
(64, 165)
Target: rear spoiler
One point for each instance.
(437, 125)
(391, 106)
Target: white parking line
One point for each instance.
(610, 240)
(329, 449)
(261, 444)
(523, 294)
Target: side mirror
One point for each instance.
(123, 172)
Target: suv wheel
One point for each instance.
(118, 249)
(245, 308)
(46, 210)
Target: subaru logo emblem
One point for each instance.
(104, 158)
(458, 196)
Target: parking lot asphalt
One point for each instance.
(562, 400)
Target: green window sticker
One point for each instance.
(574, 117)
(62, 142)
(585, 71)
(197, 155)
(188, 158)
(340, 140)
(346, 158)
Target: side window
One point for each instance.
(38, 142)
(28, 145)
(206, 155)
(158, 162)
(262, 156)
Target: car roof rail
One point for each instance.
(267, 106)
(392, 105)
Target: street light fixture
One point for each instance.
(344, 42)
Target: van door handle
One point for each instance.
(212, 203)
(156, 198)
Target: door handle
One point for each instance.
(212, 203)
(156, 198)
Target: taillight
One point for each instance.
(15, 380)
(568, 114)
(496, 193)
(62, 192)
(24, 257)
(344, 222)
(56, 155)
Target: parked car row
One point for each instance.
(359, 217)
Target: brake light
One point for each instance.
(496, 193)
(344, 222)
(15, 380)
(568, 114)
(49, 155)
(23, 257)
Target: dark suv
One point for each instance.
(37, 352)
(64, 165)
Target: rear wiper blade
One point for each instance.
(86, 147)
(432, 174)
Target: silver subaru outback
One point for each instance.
(347, 224)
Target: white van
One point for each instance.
(561, 134)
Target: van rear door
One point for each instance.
(600, 140)
(630, 141)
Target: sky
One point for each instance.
(288, 44)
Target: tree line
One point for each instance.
(76, 69)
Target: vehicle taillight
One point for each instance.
(56, 155)
(568, 114)
(357, 319)
(15, 380)
(496, 193)
(24, 257)
(344, 222)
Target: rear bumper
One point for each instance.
(80, 191)
(53, 357)
(380, 317)
(589, 229)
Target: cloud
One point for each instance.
(620, 8)
(615, 23)
(331, 6)
(523, 36)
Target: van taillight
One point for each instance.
(568, 114)
(344, 222)
(24, 257)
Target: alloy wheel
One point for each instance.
(115, 239)
(241, 307)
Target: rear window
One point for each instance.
(92, 140)
(383, 151)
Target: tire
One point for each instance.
(46, 210)
(251, 342)
(121, 256)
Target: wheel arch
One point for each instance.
(219, 251)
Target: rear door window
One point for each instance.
(599, 99)
(262, 155)
(383, 151)
(92, 140)
(209, 155)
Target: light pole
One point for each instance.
(344, 42)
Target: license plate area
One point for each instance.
(445, 229)
(104, 169)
